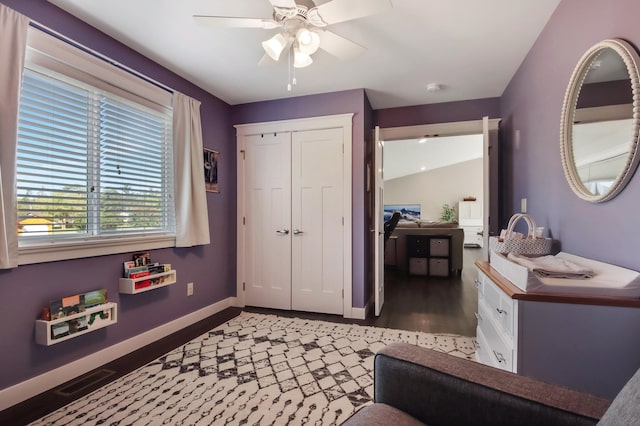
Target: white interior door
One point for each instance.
(317, 221)
(267, 245)
(378, 229)
(486, 187)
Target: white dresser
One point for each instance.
(584, 342)
(470, 220)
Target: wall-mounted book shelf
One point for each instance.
(55, 331)
(146, 283)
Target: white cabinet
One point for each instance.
(584, 342)
(470, 220)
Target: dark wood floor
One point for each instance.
(419, 303)
(416, 303)
(432, 305)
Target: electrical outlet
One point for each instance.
(189, 289)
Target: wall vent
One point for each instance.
(84, 382)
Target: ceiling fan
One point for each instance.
(302, 26)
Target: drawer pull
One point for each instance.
(499, 357)
(478, 317)
(501, 311)
(478, 283)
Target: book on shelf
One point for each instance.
(142, 284)
(132, 271)
(65, 328)
(95, 298)
(142, 258)
(139, 274)
(77, 303)
(66, 306)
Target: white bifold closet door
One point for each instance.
(294, 220)
(267, 245)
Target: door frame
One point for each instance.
(490, 159)
(344, 121)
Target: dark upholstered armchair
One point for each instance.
(416, 386)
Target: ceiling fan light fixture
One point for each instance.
(275, 45)
(308, 41)
(301, 59)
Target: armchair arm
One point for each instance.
(440, 389)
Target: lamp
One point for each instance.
(301, 59)
(275, 45)
(308, 41)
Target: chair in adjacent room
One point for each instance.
(390, 225)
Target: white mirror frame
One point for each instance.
(631, 59)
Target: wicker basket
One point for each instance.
(530, 245)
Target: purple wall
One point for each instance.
(531, 108)
(26, 289)
(350, 101)
(445, 112)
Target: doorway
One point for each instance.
(488, 128)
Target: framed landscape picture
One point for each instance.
(211, 170)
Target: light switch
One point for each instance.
(523, 205)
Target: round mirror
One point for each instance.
(600, 121)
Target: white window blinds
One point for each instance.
(90, 163)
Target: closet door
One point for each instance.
(317, 221)
(267, 243)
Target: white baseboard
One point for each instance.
(36, 385)
(360, 313)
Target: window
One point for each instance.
(94, 161)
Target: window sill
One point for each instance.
(38, 252)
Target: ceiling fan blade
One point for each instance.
(339, 46)
(286, 4)
(234, 22)
(336, 11)
(266, 61)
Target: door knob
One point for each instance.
(283, 231)
(297, 232)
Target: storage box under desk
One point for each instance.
(439, 246)
(418, 266)
(439, 267)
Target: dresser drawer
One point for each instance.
(497, 350)
(500, 306)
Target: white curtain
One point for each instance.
(192, 217)
(13, 42)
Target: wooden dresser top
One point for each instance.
(516, 293)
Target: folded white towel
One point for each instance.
(552, 266)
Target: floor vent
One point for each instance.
(84, 382)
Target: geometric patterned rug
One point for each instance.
(255, 369)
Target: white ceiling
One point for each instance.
(407, 157)
(472, 48)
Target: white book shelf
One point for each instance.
(58, 330)
(133, 285)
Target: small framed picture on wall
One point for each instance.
(211, 170)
